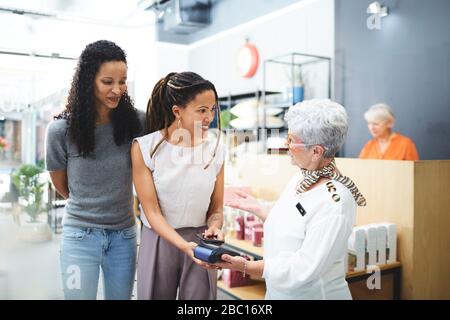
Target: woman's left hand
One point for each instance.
(214, 233)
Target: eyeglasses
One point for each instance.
(290, 144)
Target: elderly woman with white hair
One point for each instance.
(306, 231)
(386, 144)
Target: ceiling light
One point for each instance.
(378, 9)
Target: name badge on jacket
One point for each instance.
(300, 209)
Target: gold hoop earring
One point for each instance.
(179, 126)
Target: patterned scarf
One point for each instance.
(311, 177)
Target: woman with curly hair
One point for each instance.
(88, 157)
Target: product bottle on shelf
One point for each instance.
(240, 227)
(257, 235)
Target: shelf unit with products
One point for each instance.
(240, 230)
(255, 288)
(241, 116)
(250, 102)
(298, 76)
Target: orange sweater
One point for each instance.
(399, 148)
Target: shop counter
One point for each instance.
(411, 194)
(389, 286)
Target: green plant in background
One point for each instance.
(26, 180)
(225, 117)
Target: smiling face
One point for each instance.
(198, 114)
(110, 84)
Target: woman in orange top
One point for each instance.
(386, 144)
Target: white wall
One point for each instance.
(142, 65)
(151, 61)
(305, 27)
(171, 58)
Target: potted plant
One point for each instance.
(27, 180)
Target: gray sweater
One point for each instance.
(100, 185)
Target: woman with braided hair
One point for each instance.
(88, 157)
(179, 178)
(306, 231)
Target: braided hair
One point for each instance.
(175, 89)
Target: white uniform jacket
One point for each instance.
(305, 242)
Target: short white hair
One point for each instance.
(319, 122)
(379, 112)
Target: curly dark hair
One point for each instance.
(80, 112)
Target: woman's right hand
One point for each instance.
(189, 250)
(244, 201)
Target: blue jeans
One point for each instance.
(85, 250)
